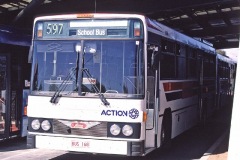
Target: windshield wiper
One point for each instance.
(62, 86)
(101, 96)
(73, 72)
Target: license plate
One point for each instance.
(80, 144)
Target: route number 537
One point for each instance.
(54, 28)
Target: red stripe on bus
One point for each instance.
(171, 86)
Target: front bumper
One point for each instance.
(117, 147)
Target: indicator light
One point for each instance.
(137, 31)
(40, 30)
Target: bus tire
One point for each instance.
(166, 130)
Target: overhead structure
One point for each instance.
(215, 21)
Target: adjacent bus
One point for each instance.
(14, 81)
(225, 79)
(116, 84)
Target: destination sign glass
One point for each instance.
(85, 29)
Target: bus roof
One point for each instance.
(226, 59)
(170, 33)
(152, 26)
(88, 15)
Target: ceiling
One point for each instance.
(215, 21)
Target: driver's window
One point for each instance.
(152, 59)
(152, 65)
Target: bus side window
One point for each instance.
(181, 66)
(191, 63)
(168, 65)
(168, 60)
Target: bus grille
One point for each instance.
(99, 130)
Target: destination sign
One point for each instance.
(91, 32)
(84, 29)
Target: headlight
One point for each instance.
(46, 125)
(35, 124)
(127, 130)
(115, 129)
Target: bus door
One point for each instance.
(10, 96)
(15, 96)
(4, 98)
(152, 98)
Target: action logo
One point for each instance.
(133, 113)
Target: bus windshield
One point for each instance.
(114, 66)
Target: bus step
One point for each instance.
(148, 150)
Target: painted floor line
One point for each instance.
(214, 146)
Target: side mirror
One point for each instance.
(154, 50)
(30, 54)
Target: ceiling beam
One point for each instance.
(206, 17)
(145, 7)
(224, 45)
(180, 15)
(215, 31)
(30, 7)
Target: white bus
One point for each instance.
(116, 84)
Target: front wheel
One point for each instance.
(166, 131)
